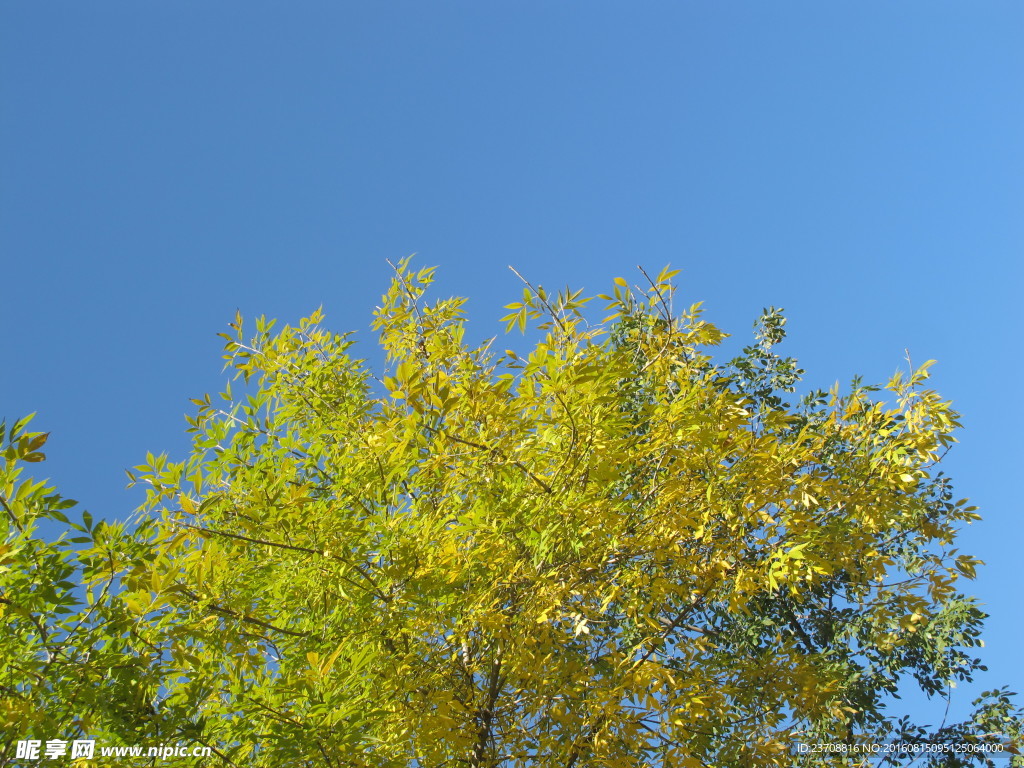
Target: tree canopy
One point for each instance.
(612, 550)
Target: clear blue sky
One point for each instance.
(860, 164)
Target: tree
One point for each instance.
(72, 660)
(611, 551)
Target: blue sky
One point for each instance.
(860, 164)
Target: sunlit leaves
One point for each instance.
(606, 549)
(559, 553)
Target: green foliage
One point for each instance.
(73, 659)
(609, 551)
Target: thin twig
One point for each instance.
(294, 548)
(544, 301)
